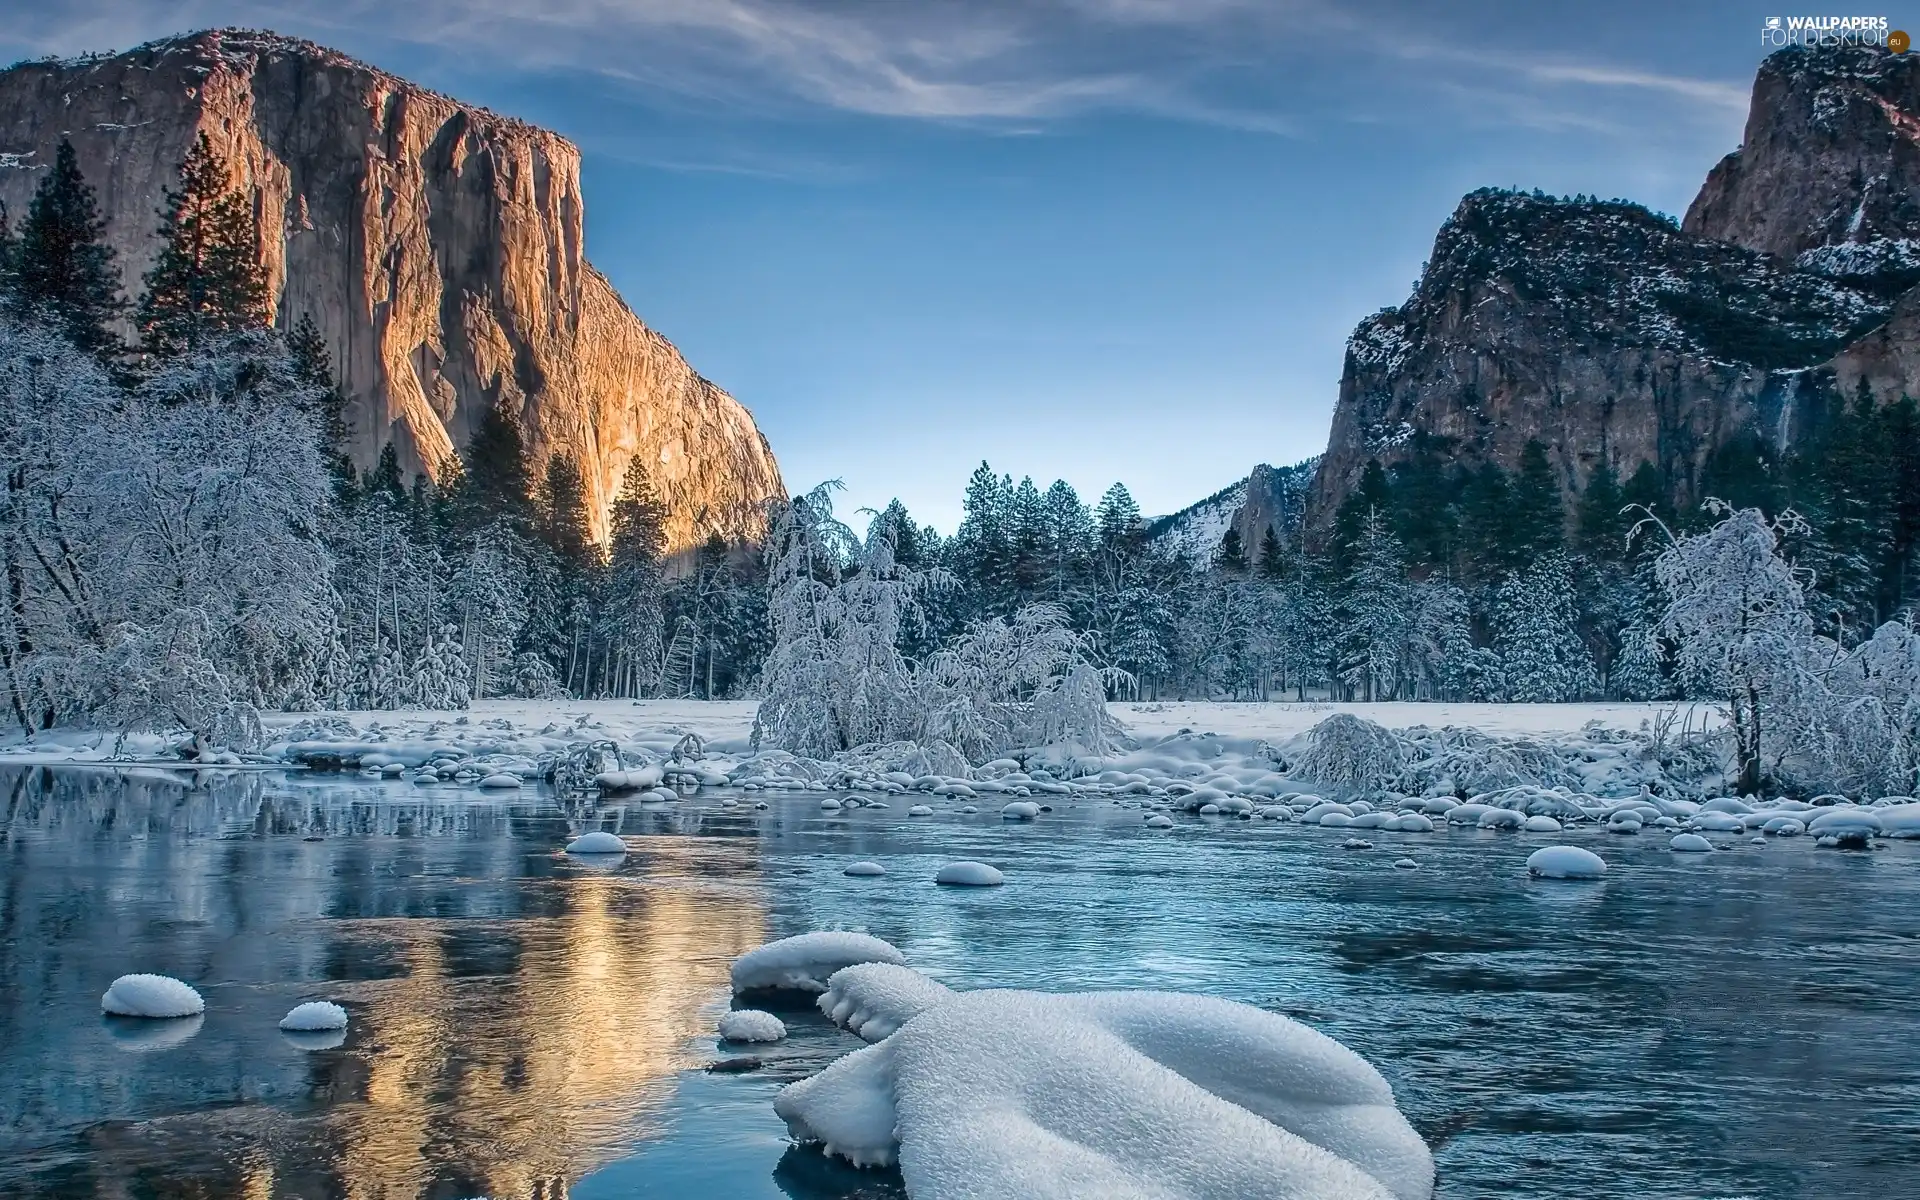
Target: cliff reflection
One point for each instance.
(517, 1021)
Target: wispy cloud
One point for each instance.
(1263, 65)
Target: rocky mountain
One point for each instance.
(1608, 332)
(438, 246)
(1270, 498)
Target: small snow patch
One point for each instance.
(751, 1025)
(805, 963)
(597, 842)
(969, 874)
(157, 996)
(314, 1016)
(1565, 862)
(864, 868)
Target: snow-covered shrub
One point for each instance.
(837, 678)
(1348, 754)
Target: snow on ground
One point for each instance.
(1277, 719)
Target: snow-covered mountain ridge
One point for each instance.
(1612, 334)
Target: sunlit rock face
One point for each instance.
(437, 245)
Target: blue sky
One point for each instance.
(1086, 239)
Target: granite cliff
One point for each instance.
(1608, 332)
(438, 246)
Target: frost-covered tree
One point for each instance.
(835, 677)
(1375, 615)
(164, 544)
(1542, 658)
(1737, 612)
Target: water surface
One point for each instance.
(527, 1027)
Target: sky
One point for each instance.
(1095, 240)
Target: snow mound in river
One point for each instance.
(158, 996)
(806, 962)
(1113, 1094)
(752, 1025)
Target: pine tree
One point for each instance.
(1118, 521)
(62, 267)
(1536, 523)
(1602, 533)
(563, 513)
(494, 481)
(1232, 554)
(1272, 563)
(1365, 506)
(208, 278)
(385, 479)
(1375, 615)
(313, 362)
(633, 615)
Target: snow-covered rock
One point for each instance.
(1718, 821)
(920, 810)
(1113, 1094)
(1411, 823)
(1541, 825)
(1159, 821)
(1565, 862)
(970, 874)
(751, 1025)
(1838, 821)
(1689, 843)
(864, 867)
(830, 805)
(804, 963)
(1784, 826)
(1021, 810)
(1900, 820)
(157, 996)
(874, 999)
(599, 841)
(1405, 864)
(500, 781)
(314, 1016)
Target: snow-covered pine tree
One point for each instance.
(633, 617)
(835, 677)
(1375, 616)
(1542, 657)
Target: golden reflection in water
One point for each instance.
(514, 1085)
